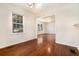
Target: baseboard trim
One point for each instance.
(16, 44)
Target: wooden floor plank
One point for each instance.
(47, 48)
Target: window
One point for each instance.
(17, 22)
(40, 27)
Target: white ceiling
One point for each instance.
(51, 9)
(45, 10)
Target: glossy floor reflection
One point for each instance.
(43, 46)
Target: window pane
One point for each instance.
(17, 23)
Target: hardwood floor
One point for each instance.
(43, 46)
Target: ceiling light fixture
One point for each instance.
(34, 5)
(30, 5)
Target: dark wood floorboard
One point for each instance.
(47, 48)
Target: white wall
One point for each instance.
(51, 27)
(8, 38)
(65, 18)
